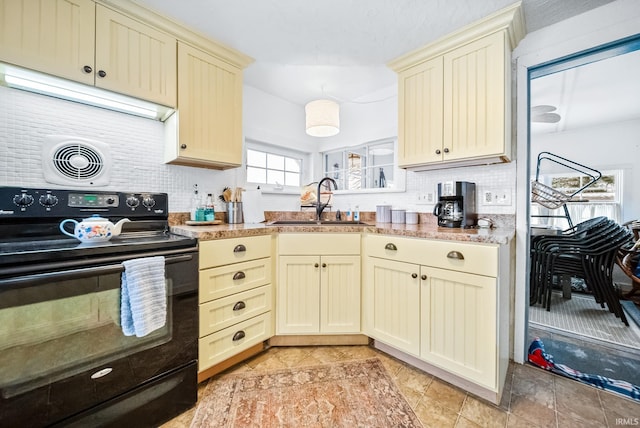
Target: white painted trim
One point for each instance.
(605, 24)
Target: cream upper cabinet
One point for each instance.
(208, 126)
(420, 130)
(318, 287)
(53, 36)
(91, 44)
(454, 96)
(134, 59)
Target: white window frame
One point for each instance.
(305, 162)
(399, 174)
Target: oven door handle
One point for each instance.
(40, 278)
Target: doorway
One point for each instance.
(584, 110)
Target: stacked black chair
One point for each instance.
(587, 251)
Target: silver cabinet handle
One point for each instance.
(239, 275)
(446, 150)
(240, 249)
(239, 306)
(391, 247)
(238, 336)
(455, 255)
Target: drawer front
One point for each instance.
(230, 310)
(480, 259)
(227, 280)
(222, 252)
(318, 244)
(217, 347)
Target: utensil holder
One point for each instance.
(234, 213)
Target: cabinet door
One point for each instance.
(392, 304)
(210, 110)
(474, 100)
(340, 294)
(459, 324)
(52, 36)
(420, 93)
(137, 60)
(298, 309)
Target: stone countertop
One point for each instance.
(500, 235)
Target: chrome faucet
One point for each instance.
(319, 205)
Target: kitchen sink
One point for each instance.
(316, 223)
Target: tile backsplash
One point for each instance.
(137, 148)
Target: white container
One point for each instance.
(383, 213)
(411, 217)
(398, 216)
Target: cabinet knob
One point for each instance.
(455, 255)
(316, 265)
(446, 150)
(414, 275)
(183, 146)
(240, 249)
(239, 306)
(391, 247)
(324, 265)
(239, 275)
(87, 69)
(438, 152)
(102, 73)
(239, 335)
(423, 277)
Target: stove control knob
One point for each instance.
(148, 202)
(24, 200)
(132, 202)
(48, 200)
(110, 201)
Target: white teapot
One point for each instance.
(93, 229)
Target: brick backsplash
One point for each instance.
(137, 147)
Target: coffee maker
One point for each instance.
(456, 205)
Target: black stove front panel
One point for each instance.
(37, 204)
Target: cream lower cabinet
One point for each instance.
(235, 296)
(442, 302)
(319, 289)
(391, 303)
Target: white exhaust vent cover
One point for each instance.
(74, 161)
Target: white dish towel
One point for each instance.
(143, 305)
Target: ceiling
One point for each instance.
(307, 49)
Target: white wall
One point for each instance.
(606, 24)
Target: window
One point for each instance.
(369, 166)
(264, 167)
(606, 189)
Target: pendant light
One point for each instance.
(322, 118)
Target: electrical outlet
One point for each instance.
(496, 197)
(487, 198)
(425, 198)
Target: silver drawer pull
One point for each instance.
(240, 249)
(239, 275)
(238, 336)
(391, 247)
(239, 306)
(455, 255)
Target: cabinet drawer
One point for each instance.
(217, 347)
(230, 310)
(227, 280)
(480, 259)
(318, 244)
(226, 251)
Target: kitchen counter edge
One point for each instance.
(426, 231)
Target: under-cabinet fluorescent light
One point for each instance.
(27, 80)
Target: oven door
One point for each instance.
(62, 349)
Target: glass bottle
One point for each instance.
(209, 212)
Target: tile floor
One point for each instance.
(532, 398)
